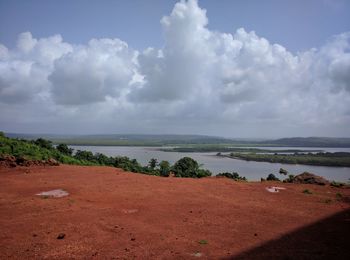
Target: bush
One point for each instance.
(164, 168)
(43, 143)
(307, 191)
(128, 165)
(153, 163)
(85, 156)
(187, 167)
(63, 148)
(272, 177)
(283, 171)
(337, 184)
(289, 179)
(103, 159)
(234, 175)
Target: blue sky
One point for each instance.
(298, 25)
(225, 68)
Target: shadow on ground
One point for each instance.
(327, 239)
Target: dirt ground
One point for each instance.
(112, 214)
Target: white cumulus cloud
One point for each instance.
(202, 81)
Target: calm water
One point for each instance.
(251, 170)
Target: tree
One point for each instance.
(164, 168)
(283, 171)
(63, 148)
(187, 167)
(272, 177)
(85, 156)
(153, 163)
(43, 143)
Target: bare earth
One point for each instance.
(112, 214)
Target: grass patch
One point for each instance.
(203, 242)
(338, 195)
(306, 191)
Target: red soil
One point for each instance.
(111, 214)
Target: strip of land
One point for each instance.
(338, 159)
(225, 148)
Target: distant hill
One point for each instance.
(159, 140)
(312, 142)
(126, 139)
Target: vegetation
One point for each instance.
(221, 148)
(289, 179)
(39, 149)
(234, 175)
(63, 148)
(306, 191)
(42, 149)
(164, 168)
(283, 171)
(187, 167)
(272, 177)
(337, 184)
(341, 159)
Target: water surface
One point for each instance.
(251, 170)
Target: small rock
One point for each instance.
(309, 178)
(61, 235)
(52, 162)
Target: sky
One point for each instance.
(262, 69)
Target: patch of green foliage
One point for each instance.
(187, 167)
(39, 149)
(220, 148)
(63, 148)
(272, 177)
(289, 179)
(283, 171)
(337, 184)
(164, 168)
(42, 149)
(341, 159)
(234, 176)
(306, 191)
(339, 195)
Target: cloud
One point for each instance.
(24, 71)
(91, 73)
(201, 81)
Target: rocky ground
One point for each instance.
(112, 214)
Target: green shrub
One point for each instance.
(187, 167)
(306, 191)
(63, 148)
(283, 171)
(203, 242)
(337, 184)
(153, 163)
(234, 175)
(43, 143)
(289, 179)
(272, 177)
(164, 168)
